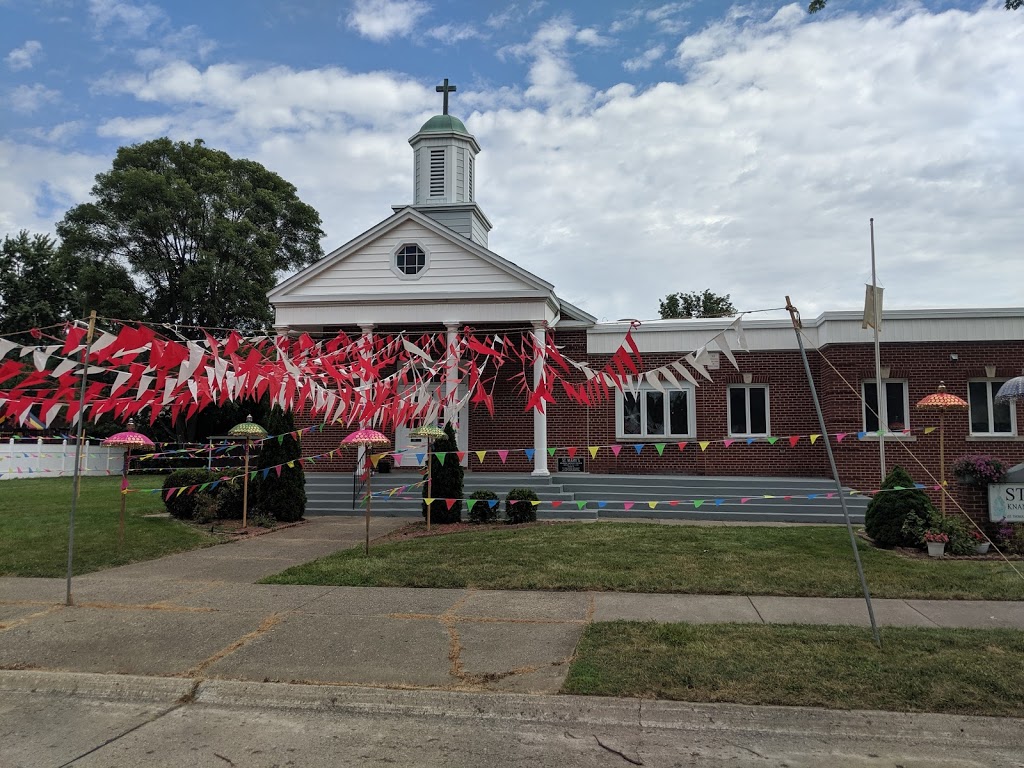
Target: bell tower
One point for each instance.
(444, 168)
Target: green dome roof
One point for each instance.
(443, 124)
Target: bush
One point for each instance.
(183, 506)
(446, 480)
(281, 496)
(519, 507)
(888, 511)
(482, 511)
(229, 499)
(961, 542)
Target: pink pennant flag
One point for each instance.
(616, 449)
(840, 436)
(277, 470)
(502, 454)
(727, 443)
(398, 458)
(744, 500)
(628, 505)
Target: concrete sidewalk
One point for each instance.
(198, 615)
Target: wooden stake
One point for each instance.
(78, 451)
(245, 487)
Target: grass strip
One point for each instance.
(34, 526)
(956, 671)
(810, 561)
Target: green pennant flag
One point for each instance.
(280, 439)
(470, 503)
(204, 486)
(581, 504)
(441, 455)
(551, 451)
(772, 440)
(660, 447)
(697, 503)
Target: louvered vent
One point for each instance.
(469, 178)
(437, 173)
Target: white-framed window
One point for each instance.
(748, 410)
(987, 416)
(651, 413)
(410, 260)
(897, 405)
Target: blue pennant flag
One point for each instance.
(266, 472)
(639, 447)
(420, 457)
(719, 502)
(602, 504)
(750, 440)
(529, 453)
(492, 503)
(812, 495)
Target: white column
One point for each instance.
(540, 418)
(367, 331)
(451, 375)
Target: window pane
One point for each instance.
(1000, 411)
(679, 413)
(871, 407)
(737, 411)
(655, 413)
(895, 403)
(758, 410)
(630, 414)
(977, 395)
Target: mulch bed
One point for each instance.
(922, 554)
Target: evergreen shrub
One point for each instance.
(888, 511)
(482, 511)
(183, 506)
(446, 480)
(283, 496)
(518, 506)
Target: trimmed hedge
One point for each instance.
(519, 507)
(482, 511)
(887, 512)
(183, 506)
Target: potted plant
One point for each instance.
(936, 541)
(981, 542)
(979, 469)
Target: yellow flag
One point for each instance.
(480, 456)
(929, 430)
(704, 444)
(593, 451)
(814, 439)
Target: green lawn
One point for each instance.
(968, 671)
(34, 526)
(640, 557)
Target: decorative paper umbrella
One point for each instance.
(128, 440)
(431, 432)
(942, 401)
(367, 438)
(247, 430)
(1011, 390)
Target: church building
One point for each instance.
(427, 268)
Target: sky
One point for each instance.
(629, 149)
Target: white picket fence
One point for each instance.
(20, 460)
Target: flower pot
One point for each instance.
(982, 548)
(936, 548)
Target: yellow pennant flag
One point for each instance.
(929, 430)
(652, 504)
(480, 456)
(428, 501)
(814, 439)
(704, 444)
(593, 451)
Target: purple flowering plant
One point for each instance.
(979, 468)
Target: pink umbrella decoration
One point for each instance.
(367, 439)
(130, 439)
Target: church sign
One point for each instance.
(570, 464)
(1006, 502)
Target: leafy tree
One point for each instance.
(694, 304)
(446, 479)
(32, 292)
(281, 496)
(203, 234)
(818, 5)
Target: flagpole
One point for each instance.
(78, 451)
(880, 387)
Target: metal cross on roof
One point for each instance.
(445, 89)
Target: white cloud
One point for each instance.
(124, 18)
(665, 18)
(380, 20)
(551, 78)
(593, 38)
(28, 98)
(645, 60)
(24, 56)
(453, 33)
(58, 134)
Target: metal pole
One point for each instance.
(880, 388)
(942, 458)
(795, 316)
(124, 496)
(369, 495)
(78, 451)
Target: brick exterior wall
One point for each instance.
(838, 371)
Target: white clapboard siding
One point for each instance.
(451, 269)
